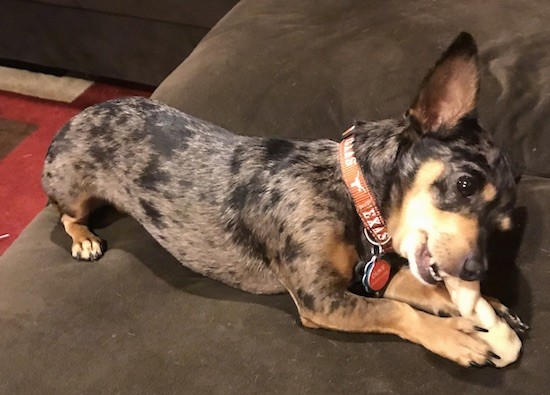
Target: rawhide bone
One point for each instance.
(501, 338)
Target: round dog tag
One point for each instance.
(376, 274)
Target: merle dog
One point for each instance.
(267, 215)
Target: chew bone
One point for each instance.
(502, 339)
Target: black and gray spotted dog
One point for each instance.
(267, 215)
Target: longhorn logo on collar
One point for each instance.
(357, 184)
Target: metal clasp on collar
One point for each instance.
(348, 132)
(377, 249)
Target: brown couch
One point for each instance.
(136, 41)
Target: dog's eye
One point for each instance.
(467, 185)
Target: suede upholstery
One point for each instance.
(136, 41)
(137, 321)
(186, 12)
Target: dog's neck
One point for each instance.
(377, 147)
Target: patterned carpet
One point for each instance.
(33, 107)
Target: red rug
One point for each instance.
(27, 125)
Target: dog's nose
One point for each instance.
(473, 270)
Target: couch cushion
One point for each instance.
(138, 321)
(303, 69)
(94, 43)
(188, 12)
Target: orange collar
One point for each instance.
(363, 198)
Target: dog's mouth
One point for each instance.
(428, 270)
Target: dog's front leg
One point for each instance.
(435, 299)
(323, 302)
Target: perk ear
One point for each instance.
(449, 92)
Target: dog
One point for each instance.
(268, 215)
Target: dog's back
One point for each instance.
(217, 201)
(165, 168)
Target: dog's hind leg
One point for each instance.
(74, 216)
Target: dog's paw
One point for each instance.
(511, 319)
(88, 249)
(457, 339)
(448, 313)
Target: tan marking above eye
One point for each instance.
(489, 192)
(505, 223)
(427, 174)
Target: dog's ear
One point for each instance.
(449, 92)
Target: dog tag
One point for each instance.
(376, 274)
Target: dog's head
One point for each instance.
(454, 185)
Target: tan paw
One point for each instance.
(457, 339)
(89, 249)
